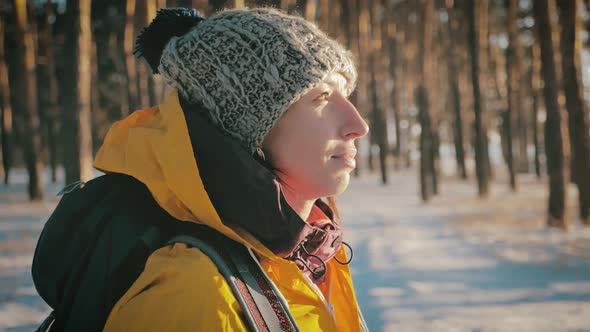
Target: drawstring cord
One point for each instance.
(320, 271)
(349, 259)
(71, 187)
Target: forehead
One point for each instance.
(336, 81)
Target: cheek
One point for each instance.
(306, 169)
(301, 154)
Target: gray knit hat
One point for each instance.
(247, 66)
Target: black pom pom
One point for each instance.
(168, 23)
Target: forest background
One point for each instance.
(460, 74)
(471, 202)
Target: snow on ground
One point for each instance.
(21, 309)
(460, 263)
(457, 263)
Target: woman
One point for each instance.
(256, 133)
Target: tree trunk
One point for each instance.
(108, 28)
(536, 87)
(300, 7)
(200, 5)
(155, 83)
(76, 130)
(515, 90)
(362, 91)
(481, 148)
(145, 94)
(455, 96)
(27, 102)
(215, 6)
(108, 25)
(310, 12)
(423, 103)
(554, 126)
(329, 16)
(289, 6)
(389, 30)
(265, 3)
(350, 27)
(576, 108)
(98, 115)
(484, 46)
(378, 114)
(513, 86)
(52, 107)
(145, 11)
(407, 74)
(130, 63)
(6, 108)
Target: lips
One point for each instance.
(346, 156)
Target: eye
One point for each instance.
(324, 96)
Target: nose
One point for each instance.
(353, 126)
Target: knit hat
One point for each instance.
(245, 66)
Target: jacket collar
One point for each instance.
(198, 174)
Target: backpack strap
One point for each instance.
(262, 306)
(245, 258)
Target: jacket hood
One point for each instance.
(198, 174)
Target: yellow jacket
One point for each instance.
(180, 288)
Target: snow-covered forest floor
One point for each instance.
(457, 263)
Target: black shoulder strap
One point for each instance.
(264, 308)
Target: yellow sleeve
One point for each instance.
(180, 289)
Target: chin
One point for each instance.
(337, 185)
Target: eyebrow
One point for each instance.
(337, 84)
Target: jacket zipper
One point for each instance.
(321, 296)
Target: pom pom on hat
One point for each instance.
(168, 23)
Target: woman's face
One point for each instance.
(312, 144)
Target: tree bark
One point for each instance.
(216, 5)
(483, 10)
(554, 126)
(149, 88)
(27, 103)
(516, 97)
(98, 117)
(389, 30)
(378, 113)
(575, 105)
(300, 7)
(265, 3)
(76, 130)
(362, 91)
(108, 25)
(536, 94)
(145, 93)
(513, 87)
(290, 6)
(310, 10)
(455, 96)
(52, 98)
(481, 148)
(427, 169)
(350, 27)
(130, 63)
(6, 116)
